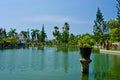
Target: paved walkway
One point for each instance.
(110, 52)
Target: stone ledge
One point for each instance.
(110, 52)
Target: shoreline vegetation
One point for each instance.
(37, 38)
(106, 35)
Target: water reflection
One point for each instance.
(37, 60)
(60, 62)
(56, 61)
(64, 58)
(106, 66)
(63, 49)
(84, 76)
(65, 61)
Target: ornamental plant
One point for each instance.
(86, 41)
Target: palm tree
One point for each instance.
(2, 33)
(35, 34)
(56, 33)
(66, 27)
(12, 33)
(25, 34)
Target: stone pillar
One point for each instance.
(85, 65)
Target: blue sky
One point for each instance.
(32, 14)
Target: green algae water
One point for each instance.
(56, 64)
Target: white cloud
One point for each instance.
(54, 19)
(46, 18)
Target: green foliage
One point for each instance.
(100, 28)
(61, 37)
(112, 24)
(114, 30)
(28, 42)
(42, 35)
(56, 33)
(65, 34)
(3, 33)
(25, 34)
(34, 34)
(115, 34)
(72, 39)
(11, 41)
(118, 9)
(86, 40)
(66, 27)
(12, 33)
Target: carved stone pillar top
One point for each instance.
(85, 65)
(84, 61)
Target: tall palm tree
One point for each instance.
(25, 34)
(35, 34)
(2, 33)
(66, 27)
(56, 33)
(12, 33)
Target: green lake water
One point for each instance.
(56, 64)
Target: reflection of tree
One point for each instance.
(65, 49)
(64, 56)
(99, 66)
(85, 76)
(23, 60)
(73, 48)
(62, 48)
(2, 61)
(37, 59)
(41, 47)
(115, 67)
(106, 66)
(42, 60)
(56, 62)
(11, 61)
(65, 62)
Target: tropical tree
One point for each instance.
(2, 33)
(118, 9)
(57, 34)
(72, 39)
(115, 34)
(10, 41)
(100, 28)
(66, 27)
(2, 36)
(35, 34)
(42, 35)
(114, 30)
(86, 41)
(12, 33)
(65, 34)
(25, 34)
(115, 25)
